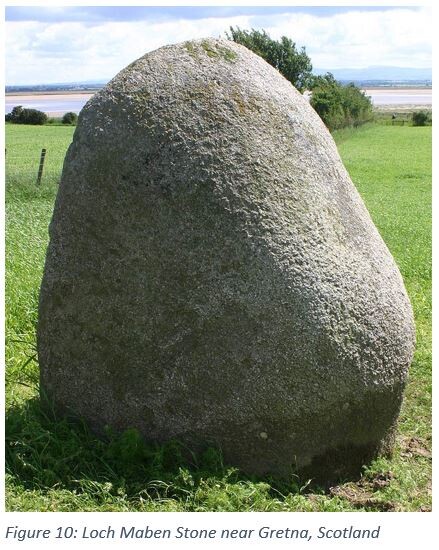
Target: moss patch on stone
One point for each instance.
(218, 51)
(214, 51)
(190, 47)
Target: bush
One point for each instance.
(293, 64)
(421, 118)
(15, 114)
(338, 105)
(33, 116)
(69, 118)
(20, 115)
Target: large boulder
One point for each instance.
(214, 277)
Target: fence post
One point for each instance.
(40, 169)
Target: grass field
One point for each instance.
(55, 465)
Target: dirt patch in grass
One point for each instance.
(362, 494)
(414, 446)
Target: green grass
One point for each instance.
(57, 465)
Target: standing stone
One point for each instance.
(214, 277)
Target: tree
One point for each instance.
(34, 116)
(336, 104)
(69, 118)
(339, 105)
(293, 64)
(20, 115)
(15, 114)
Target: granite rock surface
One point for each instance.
(213, 275)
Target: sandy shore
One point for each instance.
(380, 96)
(403, 90)
(54, 114)
(399, 91)
(402, 99)
(64, 96)
(401, 108)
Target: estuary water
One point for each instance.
(52, 104)
(400, 96)
(58, 104)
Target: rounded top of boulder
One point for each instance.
(209, 82)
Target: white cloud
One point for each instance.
(360, 39)
(39, 52)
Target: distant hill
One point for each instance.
(369, 76)
(385, 75)
(60, 87)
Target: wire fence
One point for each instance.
(38, 166)
(394, 119)
(397, 122)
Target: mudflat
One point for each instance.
(29, 96)
(55, 103)
(403, 98)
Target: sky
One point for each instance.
(85, 43)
